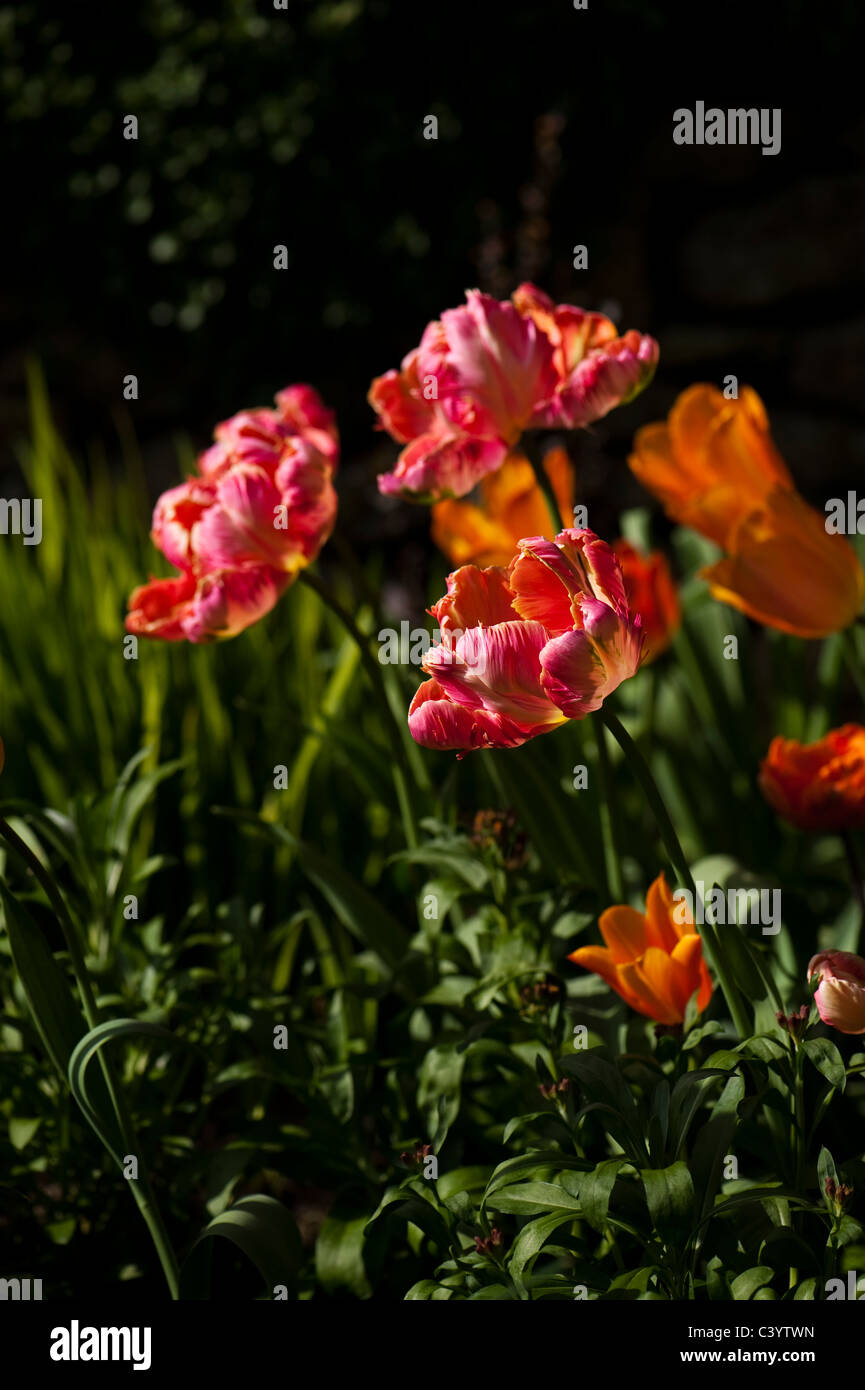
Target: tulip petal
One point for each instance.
(663, 928)
(651, 979)
(691, 973)
(437, 721)
(497, 669)
(841, 1004)
(495, 367)
(624, 931)
(436, 466)
(543, 585)
(599, 961)
(475, 598)
(157, 609)
(785, 570)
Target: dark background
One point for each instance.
(304, 127)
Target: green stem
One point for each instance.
(612, 858)
(534, 452)
(647, 732)
(142, 1194)
(855, 874)
(854, 663)
(799, 1120)
(401, 769)
(680, 864)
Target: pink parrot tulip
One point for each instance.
(259, 511)
(525, 649)
(489, 370)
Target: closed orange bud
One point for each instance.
(715, 468)
(651, 593)
(654, 961)
(511, 506)
(818, 786)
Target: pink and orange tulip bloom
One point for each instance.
(714, 467)
(489, 370)
(525, 649)
(840, 993)
(258, 511)
(818, 786)
(653, 960)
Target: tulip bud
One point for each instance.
(795, 1023)
(840, 992)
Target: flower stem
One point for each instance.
(799, 1125)
(401, 769)
(853, 659)
(612, 859)
(535, 454)
(680, 864)
(855, 874)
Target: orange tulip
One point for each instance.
(650, 592)
(714, 467)
(511, 506)
(655, 962)
(818, 786)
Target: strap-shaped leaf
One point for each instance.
(262, 1229)
(88, 1088)
(58, 1018)
(670, 1199)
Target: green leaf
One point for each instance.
(659, 1120)
(266, 1233)
(438, 1091)
(531, 1198)
(61, 1232)
(536, 1116)
(58, 1019)
(745, 1285)
(713, 1142)
(738, 952)
(530, 1164)
(670, 1199)
(528, 1244)
(90, 1091)
(826, 1170)
(22, 1130)
(469, 1179)
(603, 1084)
(723, 1060)
(696, 1035)
(596, 1188)
(425, 1290)
(339, 1255)
(455, 855)
(825, 1056)
(689, 1094)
